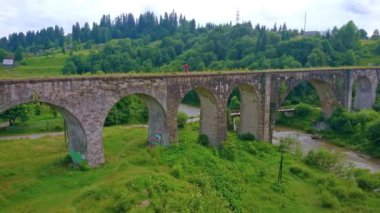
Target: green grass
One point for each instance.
(183, 177)
(45, 122)
(42, 66)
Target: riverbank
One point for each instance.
(308, 143)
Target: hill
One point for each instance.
(184, 177)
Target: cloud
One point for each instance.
(357, 7)
(23, 15)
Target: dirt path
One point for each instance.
(30, 136)
(40, 135)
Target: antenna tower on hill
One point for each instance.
(237, 17)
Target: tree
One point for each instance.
(181, 119)
(347, 36)
(363, 34)
(289, 62)
(317, 58)
(3, 54)
(348, 58)
(377, 48)
(20, 111)
(234, 103)
(19, 54)
(69, 68)
(375, 34)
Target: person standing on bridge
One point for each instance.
(186, 67)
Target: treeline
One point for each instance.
(34, 41)
(147, 26)
(165, 43)
(222, 47)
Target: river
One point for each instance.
(350, 157)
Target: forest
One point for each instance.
(163, 44)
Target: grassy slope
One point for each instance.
(43, 66)
(183, 177)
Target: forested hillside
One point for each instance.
(151, 43)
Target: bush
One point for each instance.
(247, 137)
(324, 160)
(203, 140)
(328, 200)
(299, 172)
(373, 131)
(181, 119)
(368, 181)
(83, 166)
(303, 110)
(177, 171)
(229, 151)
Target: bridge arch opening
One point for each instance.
(362, 95)
(305, 105)
(243, 114)
(38, 121)
(201, 106)
(140, 110)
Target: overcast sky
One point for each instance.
(23, 15)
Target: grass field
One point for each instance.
(44, 122)
(34, 177)
(42, 66)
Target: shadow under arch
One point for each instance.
(75, 134)
(157, 131)
(363, 96)
(250, 116)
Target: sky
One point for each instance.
(321, 15)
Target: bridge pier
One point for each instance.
(365, 90)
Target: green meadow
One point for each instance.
(35, 176)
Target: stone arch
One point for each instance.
(157, 124)
(76, 137)
(208, 114)
(250, 110)
(325, 92)
(364, 97)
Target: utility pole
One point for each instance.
(304, 25)
(237, 17)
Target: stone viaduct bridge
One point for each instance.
(85, 102)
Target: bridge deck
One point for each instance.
(176, 74)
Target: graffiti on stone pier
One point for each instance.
(155, 139)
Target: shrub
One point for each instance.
(303, 110)
(368, 182)
(181, 119)
(203, 140)
(229, 151)
(373, 131)
(247, 137)
(83, 166)
(324, 160)
(177, 171)
(299, 172)
(328, 200)
(346, 192)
